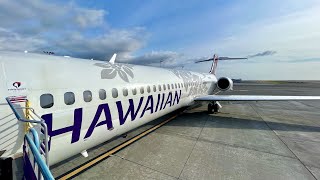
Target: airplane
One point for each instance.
(84, 103)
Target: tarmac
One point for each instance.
(246, 140)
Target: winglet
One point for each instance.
(113, 58)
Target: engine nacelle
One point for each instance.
(225, 84)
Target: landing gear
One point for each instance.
(213, 107)
(124, 135)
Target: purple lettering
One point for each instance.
(101, 108)
(75, 128)
(157, 103)
(130, 110)
(169, 100)
(177, 97)
(162, 101)
(147, 107)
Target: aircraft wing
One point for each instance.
(254, 98)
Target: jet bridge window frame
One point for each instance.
(69, 98)
(46, 105)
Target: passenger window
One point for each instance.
(69, 98)
(87, 96)
(46, 101)
(102, 94)
(125, 92)
(114, 92)
(179, 85)
(134, 91)
(168, 86)
(172, 87)
(164, 87)
(175, 85)
(159, 87)
(148, 89)
(141, 90)
(154, 88)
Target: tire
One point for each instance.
(210, 108)
(215, 108)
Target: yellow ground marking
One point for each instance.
(114, 150)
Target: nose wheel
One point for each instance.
(213, 107)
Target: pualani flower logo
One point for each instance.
(110, 71)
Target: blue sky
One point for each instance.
(177, 32)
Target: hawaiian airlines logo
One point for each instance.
(17, 87)
(16, 84)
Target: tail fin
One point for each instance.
(215, 62)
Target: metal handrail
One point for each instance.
(40, 121)
(43, 167)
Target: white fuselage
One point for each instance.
(75, 125)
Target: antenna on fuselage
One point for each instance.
(113, 58)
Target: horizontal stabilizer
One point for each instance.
(254, 98)
(221, 58)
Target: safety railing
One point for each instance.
(37, 147)
(33, 116)
(34, 165)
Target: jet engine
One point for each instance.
(225, 84)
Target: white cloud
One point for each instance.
(122, 42)
(294, 36)
(88, 17)
(154, 58)
(15, 42)
(64, 28)
(42, 14)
